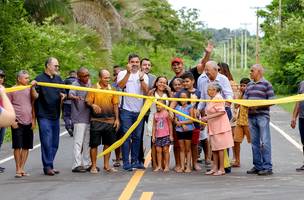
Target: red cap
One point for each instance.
(177, 60)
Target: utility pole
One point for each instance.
(225, 58)
(228, 52)
(257, 36)
(235, 66)
(231, 52)
(242, 49)
(245, 44)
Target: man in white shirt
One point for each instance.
(132, 80)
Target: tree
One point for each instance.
(283, 44)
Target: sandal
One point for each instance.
(211, 172)
(110, 170)
(219, 173)
(116, 164)
(94, 171)
(18, 175)
(25, 174)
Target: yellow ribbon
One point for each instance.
(247, 103)
(149, 101)
(118, 143)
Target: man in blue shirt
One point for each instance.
(47, 108)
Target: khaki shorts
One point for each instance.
(240, 132)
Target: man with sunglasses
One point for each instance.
(80, 116)
(47, 108)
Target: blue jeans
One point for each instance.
(49, 138)
(2, 133)
(260, 141)
(133, 142)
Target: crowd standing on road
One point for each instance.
(93, 119)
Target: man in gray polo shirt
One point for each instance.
(299, 111)
(80, 115)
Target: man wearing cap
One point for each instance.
(177, 65)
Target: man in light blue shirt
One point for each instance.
(210, 75)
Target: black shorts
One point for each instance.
(101, 131)
(186, 135)
(22, 137)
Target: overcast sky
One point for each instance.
(224, 13)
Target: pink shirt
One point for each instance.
(21, 101)
(218, 124)
(162, 124)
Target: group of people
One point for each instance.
(95, 118)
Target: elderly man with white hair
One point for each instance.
(211, 75)
(258, 117)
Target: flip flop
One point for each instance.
(25, 174)
(18, 175)
(111, 170)
(219, 173)
(94, 171)
(211, 172)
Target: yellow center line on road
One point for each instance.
(146, 196)
(132, 184)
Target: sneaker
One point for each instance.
(79, 169)
(253, 171)
(300, 169)
(138, 165)
(70, 132)
(265, 172)
(2, 169)
(127, 167)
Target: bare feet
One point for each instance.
(197, 168)
(166, 169)
(179, 170)
(211, 172)
(157, 169)
(188, 170)
(219, 173)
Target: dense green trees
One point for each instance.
(283, 44)
(96, 33)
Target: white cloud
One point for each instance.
(224, 13)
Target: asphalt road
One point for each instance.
(285, 183)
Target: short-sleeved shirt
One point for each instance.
(22, 103)
(133, 86)
(48, 103)
(196, 74)
(162, 123)
(151, 80)
(193, 95)
(301, 104)
(185, 110)
(258, 91)
(193, 71)
(105, 101)
(80, 111)
(68, 81)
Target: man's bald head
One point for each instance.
(256, 72)
(105, 77)
(104, 72)
(211, 69)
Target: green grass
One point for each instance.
(286, 106)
